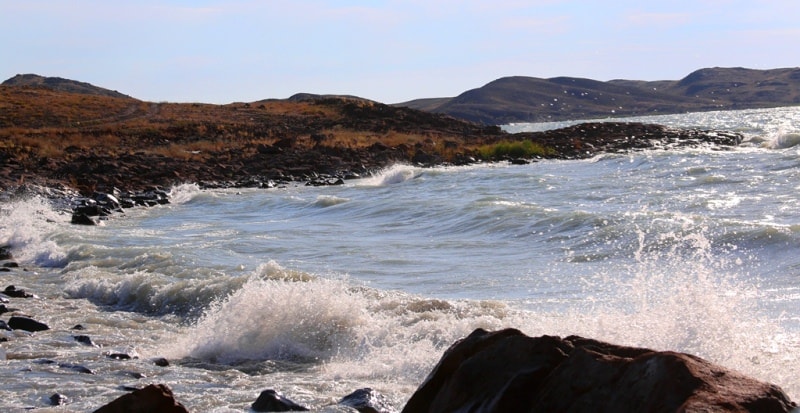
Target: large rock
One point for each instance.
(505, 371)
(153, 398)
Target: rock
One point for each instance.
(4, 326)
(272, 401)
(10, 264)
(5, 252)
(506, 371)
(161, 362)
(85, 340)
(4, 309)
(82, 219)
(58, 399)
(367, 400)
(153, 398)
(12, 291)
(77, 368)
(121, 356)
(27, 324)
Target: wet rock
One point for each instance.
(367, 400)
(10, 264)
(76, 368)
(27, 324)
(5, 252)
(506, 371)
(82, 219)
(161, 362)
(272, 401)
(12, 291)
(153, 398)
(58, 399)
(4, 309)
(85, 340)
(121, 356)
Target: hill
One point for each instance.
(529, 99)
(91, 142)
(62, 85)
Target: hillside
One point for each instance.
(530, 99)
(93, 142)
(61, 85)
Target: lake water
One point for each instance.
(319, 291)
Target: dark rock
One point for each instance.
(153, 398)
(272, 401)
(11, 264)
(78, 327)
(367, 400)
(4, 326)
(507, 371)
(77, 368)
(5, 252)
(27, 324)
(85, 340)
(58, 399)
(82, 219)
(4, 309)
(120, 356)
(4, 269)
(12, 291)
(161, 362)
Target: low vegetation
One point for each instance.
(524, 149)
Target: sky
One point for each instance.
(389, 51)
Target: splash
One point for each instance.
(27, 225)
(275, 320)
(184, 193)
(392, 175)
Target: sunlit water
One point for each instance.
(319, 291)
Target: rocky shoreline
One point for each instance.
(95, 186)
(486, 371)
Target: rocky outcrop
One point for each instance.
(507, 371)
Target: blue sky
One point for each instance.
(390, 51)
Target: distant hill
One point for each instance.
(529, 99)
(61, 85)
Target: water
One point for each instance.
(318, 291)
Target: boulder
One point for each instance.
(273, 401)
(367, 400)
(153, 398)
(5, 252)
(27, 324)
(505, 371)
(12, 291)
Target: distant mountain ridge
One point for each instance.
(62, 85)
(529, 99)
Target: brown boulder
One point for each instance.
(505, 371)
(153, 398)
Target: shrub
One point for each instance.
(514, 149)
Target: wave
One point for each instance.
(181, 194)
(782, 141)
(393, 175)
(345, 330)
(27, 225)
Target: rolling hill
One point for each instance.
(529, 99)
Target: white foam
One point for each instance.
(26, 226)
(393, 175)
(183, 193)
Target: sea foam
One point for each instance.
(27, 225)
